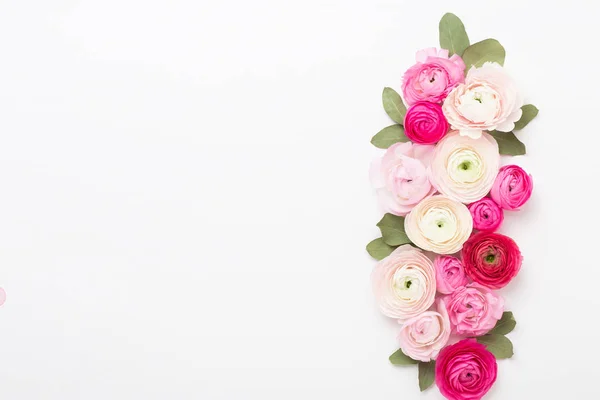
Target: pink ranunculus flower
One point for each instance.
(404, 283)
(512, 187)
(487, 215)
(425, 123)
(449, 274)
(474, 310)
(422, 337)
(465, 370)
(488, 100)
(400, 177)
(433, 76)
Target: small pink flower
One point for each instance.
(474, 310)
(425, 123)
(465, 371)
(487, 215)
(449, 274)
(432, 77)
(512, 187)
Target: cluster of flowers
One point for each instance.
(447, 188)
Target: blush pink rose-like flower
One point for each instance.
(487, 215)
(400, 177)
(465, 370)
(425, 123)
(449, 274)
(404, 283)
(422, 337)
(488, 100)
(512, 187)
(433, 76)
(474, 310)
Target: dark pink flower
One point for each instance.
(487, 215)
(512, 187)
(425, 123)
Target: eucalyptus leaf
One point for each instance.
(529, 112)
(388, 136)
(426, 374)
(378, 249)
(399, 358)
(499, 345)
(508, 144)
(505, 325)
(453, 36)
(393, 105)
(488, 50)
(392, 230)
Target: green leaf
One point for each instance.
(393, 105)
(392, 230)
(426, 374)
(378, 249)
(529, 112)
(487, 50)
(388, 136)
(399, 358)
(499, 345)
(505, 325)
(508, 144)
(453, 36)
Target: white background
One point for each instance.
(184, 197)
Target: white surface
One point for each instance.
(184, 197)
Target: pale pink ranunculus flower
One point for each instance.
(464, 168)
(474, 310)
(422, 337)
(404, 283)
(432, 77)
(400, 177)
(488, 100)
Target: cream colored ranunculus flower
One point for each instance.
(439, 224)
(463, 168)
(404, 283)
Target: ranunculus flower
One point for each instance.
(474, 310)
(491, 259)
(401, 178)
(432, 77)
(439, 224)
(465, 370)
(425, 123)
(487, 215)
(449, 274)
(512, 187)
(488, 100)
(422, 337)
(464, 168)
(404, 283)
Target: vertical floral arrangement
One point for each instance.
(444, 191)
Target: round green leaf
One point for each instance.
(426, 374)
(392, 230)
(453, 36)
(378, 249)
(508, 144)
(499, 345)
(529, 112)
(399, 358)
(505, 325)
(388, 136)
(488, 50)
(393, 105)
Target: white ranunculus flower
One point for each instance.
(404, 283)
(439, 224)
(488, 100)
(463, 168)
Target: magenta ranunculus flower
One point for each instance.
(433, 76)
(512, 187)
(465, 370)
(474, 310)
(425, 123)
(491, 259)
(487, 215)
(449, 274)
